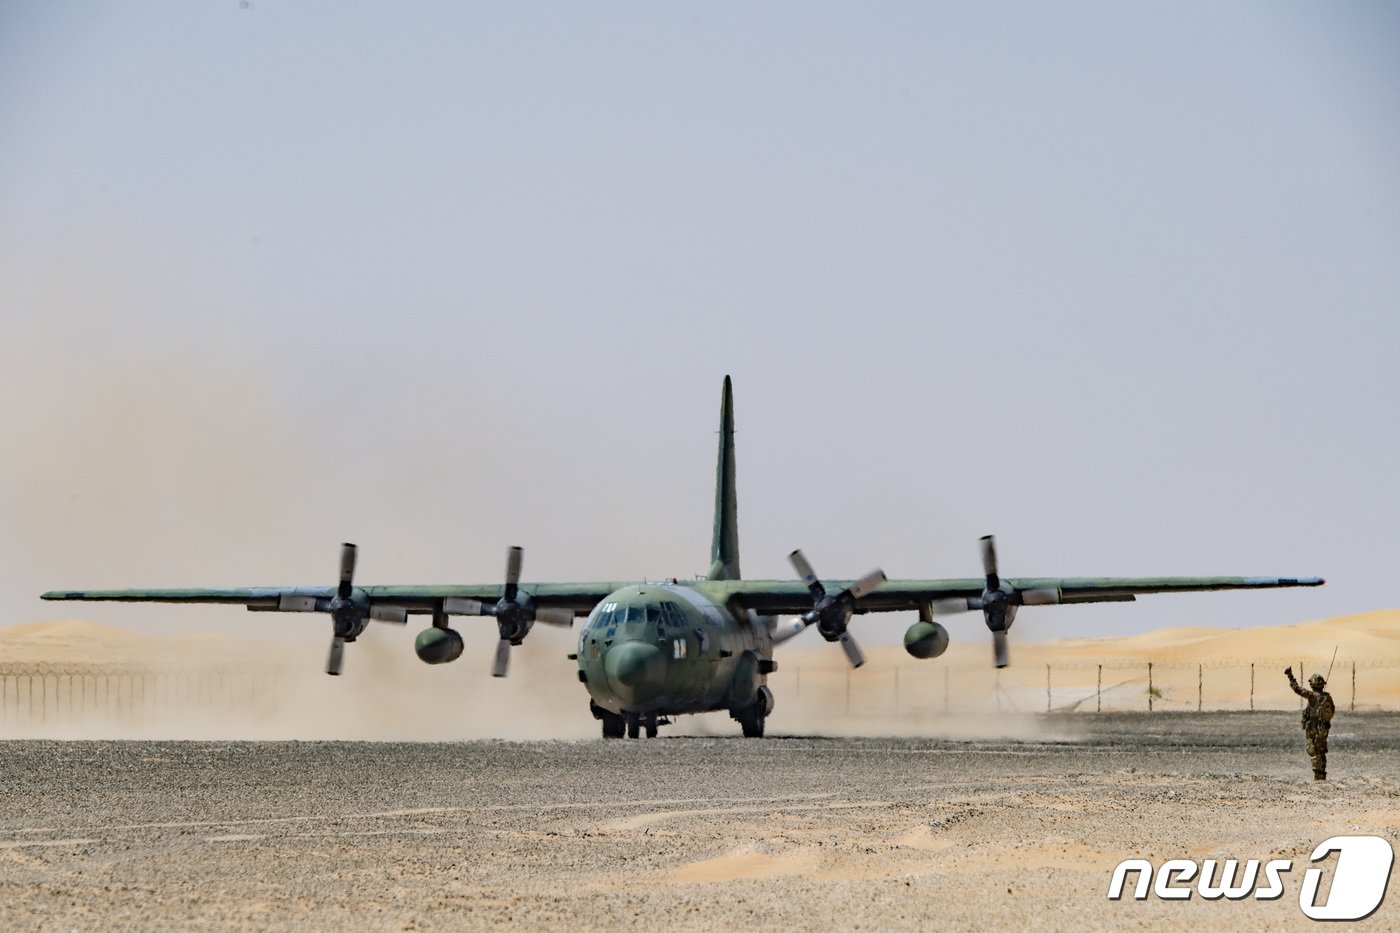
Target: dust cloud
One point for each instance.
(80, 679)
(85, 680)
(96, 682)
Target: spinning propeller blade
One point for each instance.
(337, 656)
(348, 553)
(807, 574)
(853, 652)
(831, 613)
(989, 561)
(1000, 600)
(501, 664)
(514, 558)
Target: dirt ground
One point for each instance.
(701, 833)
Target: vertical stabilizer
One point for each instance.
(724, 550)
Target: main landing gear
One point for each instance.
(751, 720)
(752, 717)
(616, 725)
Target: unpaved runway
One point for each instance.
(680, 833)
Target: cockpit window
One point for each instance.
(609, 614)
(653, 614)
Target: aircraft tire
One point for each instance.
(634, 725)
(613, 725)
(751, 721)
(651, 726)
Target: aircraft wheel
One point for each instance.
(613, 724)
(634, 725)
(651, 726)
(752, 721)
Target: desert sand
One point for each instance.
(684, 833)
(905, 795)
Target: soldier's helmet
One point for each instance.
(1317, 681)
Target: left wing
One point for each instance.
(998, 599)
(791, 597)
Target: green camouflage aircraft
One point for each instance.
(650, 651)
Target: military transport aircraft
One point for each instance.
(649, 651)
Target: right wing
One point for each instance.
(579, 597)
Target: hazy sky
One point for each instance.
(1119, 283)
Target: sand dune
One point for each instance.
(1368, 636)
(79, 641)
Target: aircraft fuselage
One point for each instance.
(665, 649)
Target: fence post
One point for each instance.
(1098, 693)
(1047, 688)
(1199, 688)
(1149, 686)
(1251, 687)
(1353, 687)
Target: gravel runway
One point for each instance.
(693, 832)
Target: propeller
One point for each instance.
(350, 609)
(832, 612)
(514, 613)
(998, 602)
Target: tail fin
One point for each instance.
(724, 550)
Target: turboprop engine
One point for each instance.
(515, 613)
(926, 640)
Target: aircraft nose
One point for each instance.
(633, 666)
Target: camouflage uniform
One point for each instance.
(1317, 720)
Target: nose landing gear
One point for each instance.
(616, 725)
(636, 722)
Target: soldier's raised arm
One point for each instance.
(1293, 682)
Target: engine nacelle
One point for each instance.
(438, 645)
(926, 640)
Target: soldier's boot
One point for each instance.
(1319, 775)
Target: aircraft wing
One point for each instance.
(579, 597)
(791, 597)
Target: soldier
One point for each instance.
(1317, 720)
